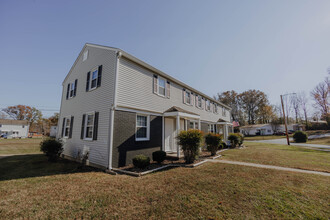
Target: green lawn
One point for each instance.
(264, 137)
(280, 155)
(20, 146)
(32, 188)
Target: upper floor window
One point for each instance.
(187, 97)
(223, 111)
(85, 55)
(0, 125)
(71, 89)
(142, 128)
(208, 105)
(94, 78)
(215, 106)
(161, 86)
(199, 101)
(23, 126)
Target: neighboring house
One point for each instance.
(258, 129)
(14, 128)
(53, 131)
(115, 106)
(268, 129)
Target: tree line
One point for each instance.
(37, 123)
(253, 106)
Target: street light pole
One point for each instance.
(286, 127)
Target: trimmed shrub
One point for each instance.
(213, 142)
(190, 142)
(240, 139)
(223, 145)
(51, 148)
(159, 156)
(234, 140)
(300, 137)
(141, 161)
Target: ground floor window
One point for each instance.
(212, 128)
(142, 127)
(193, 125)
(89, 126)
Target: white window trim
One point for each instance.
(200, 107)
(91, 78)
(206, 106)
(191, 97)
(216, 109)
(85, 126)
(65, 125)
(224, 112)
(148, 128)
(161, 95)
(70, 89)
(210, 126)
(195, 126)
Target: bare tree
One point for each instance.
(295, 105)
(303, 104)
(320, 94)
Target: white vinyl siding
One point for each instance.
(100, 100)
(135, 86)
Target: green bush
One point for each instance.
(240, 139)
(141, 161)
(52, 148)
(233, 138)
(213, 142)
(159, 156)
(300, 137)
(223, 145)
(190, 142)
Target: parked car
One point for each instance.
(279, 133)
(3, 136)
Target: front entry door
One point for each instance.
(169, 135)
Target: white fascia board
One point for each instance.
(181, 114)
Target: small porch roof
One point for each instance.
(177, 111)
(223, 122)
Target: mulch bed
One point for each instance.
(154, 165)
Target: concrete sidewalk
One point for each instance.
(270, 167)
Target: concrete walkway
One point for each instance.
(284, 142)
(270, 167)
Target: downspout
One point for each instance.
(112, 111)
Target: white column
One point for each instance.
(177, 132)
(226, 132)
(199, 124)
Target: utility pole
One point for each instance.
(286, 128)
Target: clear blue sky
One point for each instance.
(274, 46)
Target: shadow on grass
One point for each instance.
(37, 165)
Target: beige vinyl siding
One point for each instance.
(135, 90)
(98, 100)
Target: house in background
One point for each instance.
(115, 106)
(53, 131)
(258, 129)
(14, 128)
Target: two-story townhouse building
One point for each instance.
(115, 106)
(14, 128)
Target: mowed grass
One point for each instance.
(20, 146)
(280, 155)
(211, 191)
(264, 137)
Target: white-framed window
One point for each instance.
(67, 126)
(93, 81)
(188, 97)
(142, 127)
(199, 101)
(212, 128)
(85, 55)
(161, 86)
(72, 86)
(193, 125)
(215, 106)
(223, 111)
(208, 105)
(89, 126)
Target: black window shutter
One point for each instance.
(75, 87)
(82, 127)
(63, 127)
(68, 91)
(87, 81)
(71, 127)
(96, 124)
(99, 77)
